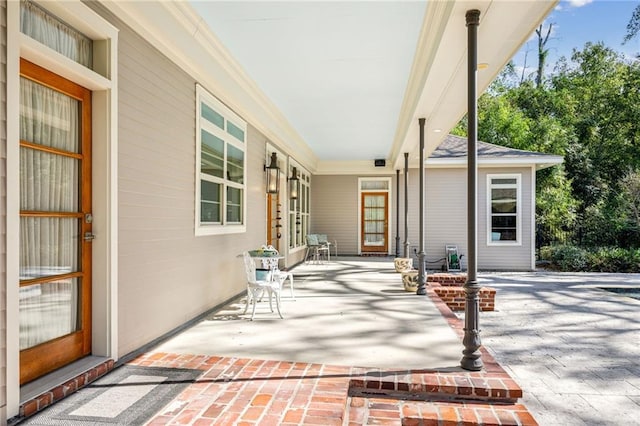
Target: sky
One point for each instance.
(576, 22)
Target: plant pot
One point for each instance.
(403, 264)
(410, 280)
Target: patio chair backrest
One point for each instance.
(249, 267)
(312, 240)
(322, 239)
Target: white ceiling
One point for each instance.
(348, 75)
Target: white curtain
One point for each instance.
(49, 182)
(52, 32)
(374, 217)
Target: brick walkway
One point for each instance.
(241, 391)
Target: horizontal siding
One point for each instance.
(3, 211)
(166, 275)
(334, 210)
(446, 219)
(507, 257)
(445, 213)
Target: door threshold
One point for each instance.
(52, 387)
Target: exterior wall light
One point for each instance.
(293, 184)
(273, 175)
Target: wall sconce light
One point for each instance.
(293, 184)
(273, 175)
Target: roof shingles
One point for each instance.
(455, 147)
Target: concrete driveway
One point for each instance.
(572, 347)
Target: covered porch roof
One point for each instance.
(339, 84)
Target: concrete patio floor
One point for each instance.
(354, 348)
(350, 311)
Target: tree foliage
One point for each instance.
(588, 111)
(543, 52)
(633, 27)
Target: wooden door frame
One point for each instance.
(31, 365)
(389, 216)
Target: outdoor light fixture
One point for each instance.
(273, 175)
(293, 184)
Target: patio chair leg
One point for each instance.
(278, 304)
(246, 305)
(253, 311)
(254, 299)
(291, 285)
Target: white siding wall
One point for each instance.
(3, 211)
(446, 219)
(166, 275)
(334, 210)
(444, 213)
(506, 257)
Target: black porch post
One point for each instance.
(406, 205)
(471, 359)
(398, 213)
(422, 273)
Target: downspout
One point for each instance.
(406, 205)
(471, 354)
(422, 279)
(398, 213)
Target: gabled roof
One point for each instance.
(453, 152)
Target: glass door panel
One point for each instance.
(374, 222)
(55, 212)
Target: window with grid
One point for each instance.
(221, 167)
(299, 210)
(504, 209)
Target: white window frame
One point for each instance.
(295, 207)
(518, 214)
(224, 226)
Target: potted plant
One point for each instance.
(403, 264)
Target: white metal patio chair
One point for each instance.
(272, 264)
(256, 287)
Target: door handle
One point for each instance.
(88, 236)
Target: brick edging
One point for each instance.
(40, 402)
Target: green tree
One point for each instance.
(555, 207)
(543, 52)
(588, 111)
(629, 209)
(601, 91)
(633, 27)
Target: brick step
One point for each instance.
(58, 392)
(362, 410)
(455, 297)
(446, 279)
(436, 386)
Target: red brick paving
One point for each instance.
(237, 391)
